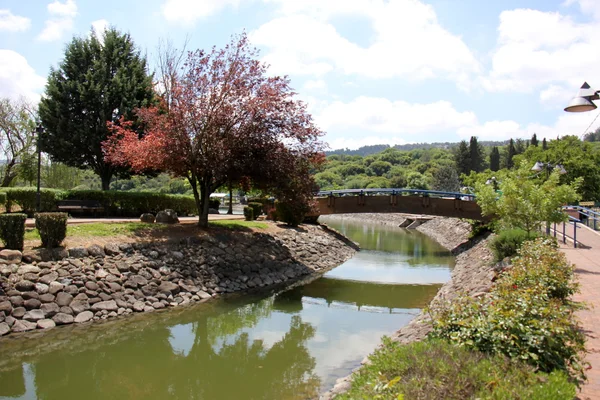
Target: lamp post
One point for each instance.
(540, 166)
(583, 100)
(39, 130)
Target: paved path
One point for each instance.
(30, 222)
(587, 262)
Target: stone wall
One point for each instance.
(101, 282)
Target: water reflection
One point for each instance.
(287, 346)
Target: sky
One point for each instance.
(370, 71)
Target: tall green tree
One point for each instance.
(534, 140)
(544, 144)
(100, 80)
(509, 153)
(494, 159)
(476, 155)
(462, 158)
(17, 139)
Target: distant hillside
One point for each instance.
(378, 148)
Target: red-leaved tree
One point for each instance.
(224, 120)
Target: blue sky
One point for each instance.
(371, 71)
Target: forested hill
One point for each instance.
(378, 148)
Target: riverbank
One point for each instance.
(98, 282)
(473, 273)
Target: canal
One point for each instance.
(292, 345)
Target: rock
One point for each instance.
(34, 315)
(138, 306)
(147, 218)
(109, 305)
(158, 305)
(24, 326)
(18, 312)
(6, 306)
(81, 297)
(91, 285)
(28, 269)
(49, 309)
(30, 295)
(111, 249)
(14, 256)
(95, 251)
(46, 324)
(4, 328)
(203, 295)
(114, 287)
(63, 299)
(167, 217)
(78, 252)
(85, 316)
(167, 287)
(66, 310)
(25, 286)
(63, 319)
(48, 278)
(59, 254)
(101, 274)
(10, 320)
(41, 288)
(47, 298)
(148, 308)
(32, 304)
(17, 301)
(55, 287)
(105, 297)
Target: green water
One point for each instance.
(292, 345)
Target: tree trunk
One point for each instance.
(105, 177)
(230, 209)
(9, 174)
(194, 185)
(204, 197)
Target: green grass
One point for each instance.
(238, 224)
(99, 229)
(436, 369)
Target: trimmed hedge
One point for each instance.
(214, 203)
(26, 199)
(292, 213)
(508, 242)
(3, 199)
(52, 228)
(248, 213)
(12, 230)
(257, 208)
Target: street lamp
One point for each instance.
(583, 101)
(540, 166)
(39, 130)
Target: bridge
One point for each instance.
(406, 201)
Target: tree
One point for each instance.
(544, 144)
(17, 137)
(592, 136)
(534, 140)
(476, 155)
(227, 121)
(494, 159)
(509, 153)
(99, 80)
(379, 168)
(526, 203)
(445, 179)
(462, 157)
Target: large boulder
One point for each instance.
(167, 217)
(147, 218)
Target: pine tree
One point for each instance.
(476, 155)
(99, 80)
(534, 140)
(462, 158)
(544, 144)
(495, 159)
(509, 154)
(520, 146)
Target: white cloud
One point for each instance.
(62, 16)
(318, 85)
(100, 26)
(188, 12)
(557, 96)
(408, 41)
(543, 50)
(18, 78)
(589, 7)
(13, 23)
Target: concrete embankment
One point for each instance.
(473, 273)
(79, 285)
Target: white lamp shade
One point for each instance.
(537, 167)
(580, 104)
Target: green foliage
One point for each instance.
(416, 180)
(12, 230)
(436, 369)
(379, 168)
(508, 242)
(238, 225)
(2, 199)
(214, 203)
(462, 158)
(257, 208)
(494, 159)
(98, 80)
(291, 213)
(249, 213)
(26, 199)
(507, 161)
(52, 228)
(526, 316)
(526, 203)
(445, 179)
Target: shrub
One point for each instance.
(214, 203)
(256, 208)
(272, 215)
(3, 199)
(292, 213)
(526, 315)
(26, 199)
(435, 369)
(12, 230)
(507, 243)
(52, 228)
(248, 213)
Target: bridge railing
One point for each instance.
(397, 191)
(586, 216)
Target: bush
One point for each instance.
(256, 208)
(214, 203)
(508, 242)
(3, 199)
(12, 230)
(248, 213)
(292, 213)
(435, 369)
(526, 316)
(26, 199)
(52, 228)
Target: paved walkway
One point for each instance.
(587, 261)
(30, 222)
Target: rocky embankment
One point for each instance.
(43, 289)
(473, 274)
